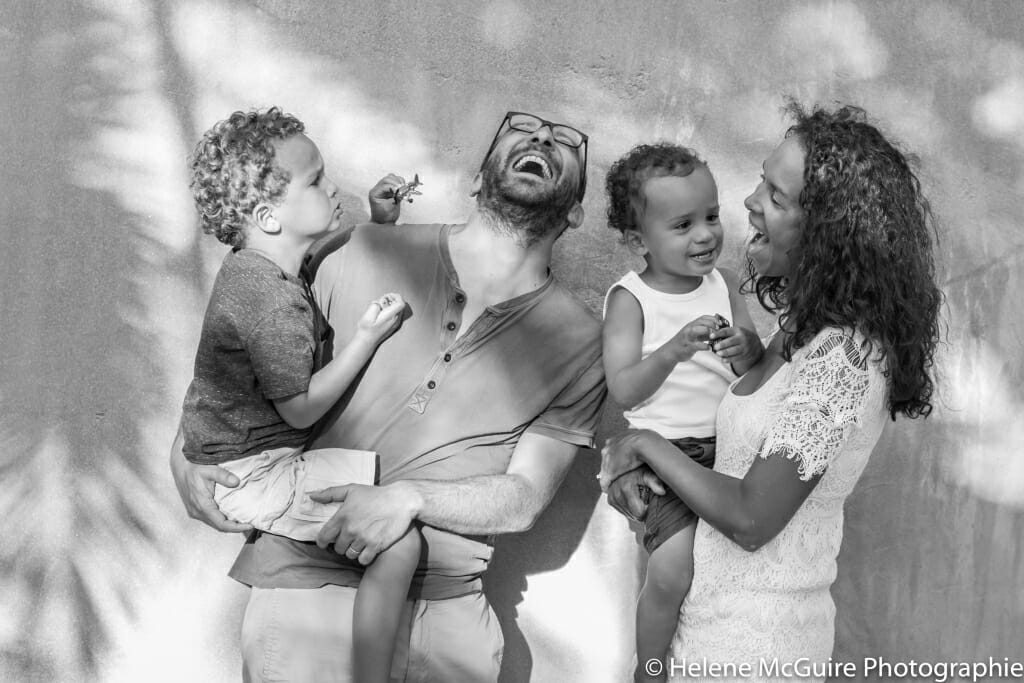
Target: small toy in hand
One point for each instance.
(408, 190)
(723, 322)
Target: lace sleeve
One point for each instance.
(825, 399)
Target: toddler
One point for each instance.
(659, 359)
(259, 385)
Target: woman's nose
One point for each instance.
(749, 202)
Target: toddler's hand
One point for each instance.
(383, 208)
(382, 317)
(693, 337)
(737, 345)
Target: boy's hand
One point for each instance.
(737, 345)
(627, 493)
(382, 318)
(693, 337)
(383, 208)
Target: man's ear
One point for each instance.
(478, 182)
(575, 217)
(635, 242)
(263, 217)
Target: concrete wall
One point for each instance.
(105, 278)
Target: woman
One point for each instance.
(842, 250)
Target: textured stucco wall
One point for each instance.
(105, 278)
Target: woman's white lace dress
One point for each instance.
(826, 408)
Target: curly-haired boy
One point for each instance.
(260, 384)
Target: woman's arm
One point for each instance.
(751, 511)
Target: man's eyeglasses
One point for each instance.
(562, 134)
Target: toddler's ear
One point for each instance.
(635, 242)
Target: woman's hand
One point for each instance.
(623, 453)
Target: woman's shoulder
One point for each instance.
(838, 344)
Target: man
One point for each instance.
(476, 407)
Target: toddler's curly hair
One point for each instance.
(233, 170)
(866, 252)
(626, 178)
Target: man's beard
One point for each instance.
(529, 215)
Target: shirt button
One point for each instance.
(431, 384)
(447, 358)
(451, 326)
(459, 298)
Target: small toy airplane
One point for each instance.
(408, 190)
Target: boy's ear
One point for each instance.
(478, 182)
(635, 242)
(264, 218)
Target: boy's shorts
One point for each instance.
(668, 515)
(273, 495)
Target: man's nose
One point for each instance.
(543, 135)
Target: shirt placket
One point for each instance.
(451, 320)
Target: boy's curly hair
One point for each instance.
(866, 259)
(233, 170)
(626, 178)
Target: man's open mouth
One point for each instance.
(533, 164)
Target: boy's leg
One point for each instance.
(669, 574)
(379, 603)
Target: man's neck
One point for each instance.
(493, 264)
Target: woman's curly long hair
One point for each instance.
(233, 170)
(626, 178)
(866, 252)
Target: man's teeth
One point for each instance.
(540, 162)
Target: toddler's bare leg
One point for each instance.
(669, 574)
(380, 599)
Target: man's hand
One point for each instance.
(383, 208)
(625, 495)
(195, 486)
(370, 520)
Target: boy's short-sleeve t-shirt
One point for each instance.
(258, 344)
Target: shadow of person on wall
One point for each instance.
(545, 547)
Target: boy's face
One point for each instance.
(310, 207)
(680, 235)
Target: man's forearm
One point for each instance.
(496, 504)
